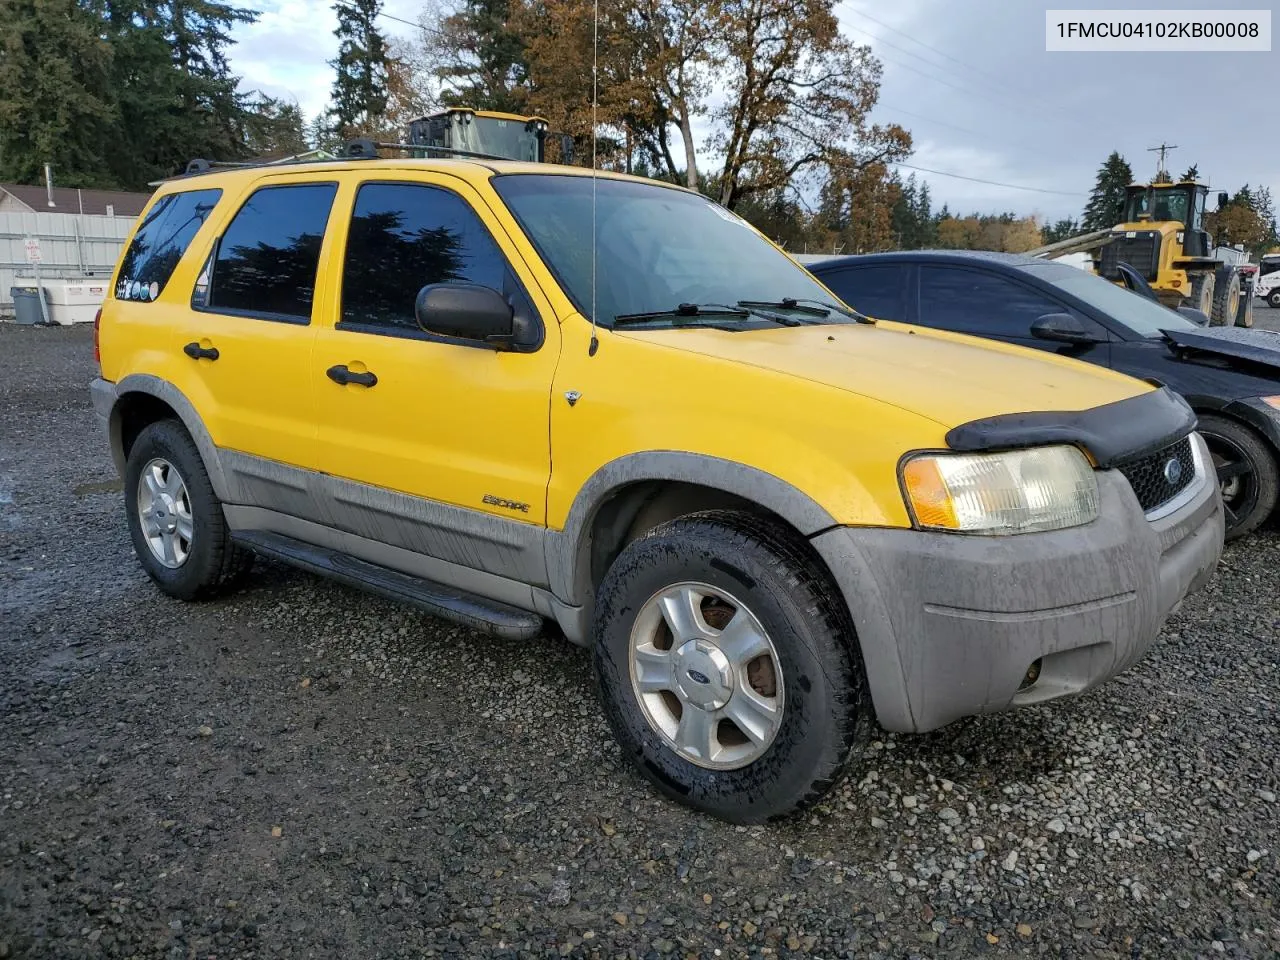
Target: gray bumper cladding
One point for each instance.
(950, 624)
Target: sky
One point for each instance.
(972, 82)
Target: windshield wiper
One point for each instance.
(683, 310)
(815, 308)
(790, 303)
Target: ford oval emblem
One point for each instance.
(1173, 471)
(697, 676)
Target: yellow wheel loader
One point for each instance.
(1164, 240)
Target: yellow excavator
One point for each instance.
(1163, 241)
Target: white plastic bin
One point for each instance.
(75, 300)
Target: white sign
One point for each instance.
(1142, 31)
(33, 250)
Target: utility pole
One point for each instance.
(1162, 173)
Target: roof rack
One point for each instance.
(358, 149)
(364, 149)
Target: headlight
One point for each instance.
(1019, 491)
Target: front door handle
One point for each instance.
(340, 374)
(197, 352)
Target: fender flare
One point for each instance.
(568, 551)
(170, 395)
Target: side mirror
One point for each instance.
(1062, 328)
(467, 311)
(1223, 200)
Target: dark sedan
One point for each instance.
(1230, 376)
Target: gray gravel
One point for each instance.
(300, 770)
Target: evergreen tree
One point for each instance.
(482, 58)
(1193, 172)
(1063, 229)
(1106, 202)
(360, 87)
(55, 93)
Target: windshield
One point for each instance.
(657, 248)
(1144, 317)
(1160, 204)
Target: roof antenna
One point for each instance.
(595, 101)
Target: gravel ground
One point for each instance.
(301, 770)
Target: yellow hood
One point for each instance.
(946, 377)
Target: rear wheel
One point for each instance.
(1226, 300)
(728, 670)
(1246, 471)
(1245, 317)
(175, 519)
(1202, 295)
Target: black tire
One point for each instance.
(826, 713)
(1273, 298)
(1244, 318)
(1247, 473)
(1202, 295)
(212, 563)
(1226, 299)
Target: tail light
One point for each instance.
(97, 327)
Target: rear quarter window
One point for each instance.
(160, 242)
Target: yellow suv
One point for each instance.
(771, 519)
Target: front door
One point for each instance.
(984, 304)
(438, 445)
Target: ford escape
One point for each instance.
(773, 521)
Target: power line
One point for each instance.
(408, 23)
(992, 183)
(941, 53)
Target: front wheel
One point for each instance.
(1273, 298)
(728, 667)
(1246, 471)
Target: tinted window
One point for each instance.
(986, 304)
(404, 237)
(876, 291)
(161, 240)
(266, 261)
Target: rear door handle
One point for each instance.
(340, 374)
(197, 352)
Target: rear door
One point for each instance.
(880, 290)
(987, 304)
(249, 338)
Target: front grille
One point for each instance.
(1149, 476)
(1142, 252)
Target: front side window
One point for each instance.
(404, 237)
(1144, 317)
(655, 247)
(266, 261)
(160, 241)
(984, 304)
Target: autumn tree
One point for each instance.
(796, 94)
(1106, 201)
(359, 94)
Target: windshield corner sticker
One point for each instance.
(728, 215)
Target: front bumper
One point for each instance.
(949, 624)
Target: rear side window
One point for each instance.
(879, 292)
(265, 263)
(403, 237)
(161, 240)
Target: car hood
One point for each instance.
(1237, 343)
(949, 378)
